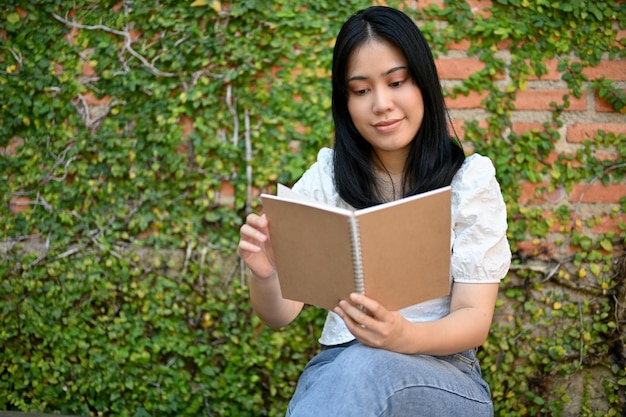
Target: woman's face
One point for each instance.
(385, 105)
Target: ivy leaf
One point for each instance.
(13, 18)
(595, 269)
(215, 5)
(607, 245)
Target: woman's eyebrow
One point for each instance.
(392, 70)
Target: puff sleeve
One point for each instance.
(480, 250)
(317, 182)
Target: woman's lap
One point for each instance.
(361, 381)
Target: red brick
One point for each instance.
(479, 6)
(540, 250)
(552, 74)
(462, 45)
(505, 44)
(613, 70)
(531, 195)
(456, 127)
(459, 68)
(578, 132)
(92, 100)
(528, 192)
(227, 194)
(88, 70)
(471, 101)
(522, 127)
(11, 149)
(598, 193)
(186, 123)
(553, 158)
(603, 106)
(608, 224)
(421, 4)
(135, 34)
(19, 204)
(605, 156)
(541, 99)
(621, 34)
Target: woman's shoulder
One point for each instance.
(318, 180)
(323, 166)
(475, 172)
(325, 159)
(475, 165)
(475, 182)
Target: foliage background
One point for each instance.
(135, 137)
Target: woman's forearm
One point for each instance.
(461, 330)
(269, 304)
(466, 327)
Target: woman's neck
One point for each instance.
(390, 176)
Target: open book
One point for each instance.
(397, 253)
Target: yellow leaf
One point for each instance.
(206, 321)
(582, 273)
(216, 6)
(199, 3)
(522, 84)
(595, 269)
(557, 305)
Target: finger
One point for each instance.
(373, 308)
(251, 233)
(257, 221)
(246, 246)
(354, 316)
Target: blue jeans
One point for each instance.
(360, 381)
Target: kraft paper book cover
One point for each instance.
(397, 253)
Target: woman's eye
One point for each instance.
(396, 83)
(360, 92)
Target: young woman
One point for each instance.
(392, 141)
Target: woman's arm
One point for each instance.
(467, 325)
(256, 251)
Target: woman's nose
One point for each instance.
(382, 101)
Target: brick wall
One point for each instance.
(581, 121)
(583, 118)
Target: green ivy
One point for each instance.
(122, 122)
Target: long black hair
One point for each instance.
(434, 155)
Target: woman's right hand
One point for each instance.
(255, 247)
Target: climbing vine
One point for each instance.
(125, 125)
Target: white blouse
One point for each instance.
(479, 248)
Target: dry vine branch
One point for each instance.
(127, 43)
(232, 107)
(582, 195)
(83, 109)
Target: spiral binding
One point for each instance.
(357, 259)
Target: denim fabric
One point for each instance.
(356, 380)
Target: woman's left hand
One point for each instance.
(374, 325)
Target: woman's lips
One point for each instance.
(387, 125)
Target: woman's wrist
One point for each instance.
(263, 278)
